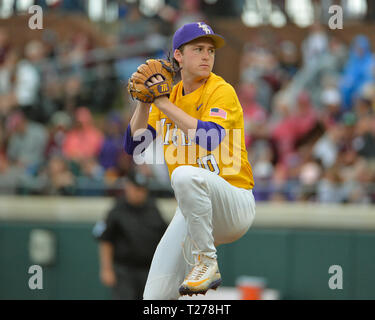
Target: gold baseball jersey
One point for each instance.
(215, 101)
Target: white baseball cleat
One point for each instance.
(204, 276)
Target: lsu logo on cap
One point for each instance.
(163, 87)
(204, 27)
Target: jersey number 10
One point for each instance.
(209, 163)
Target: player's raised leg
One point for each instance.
(215, 212)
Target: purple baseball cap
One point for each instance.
(192, 31)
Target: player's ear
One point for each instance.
(178, 55)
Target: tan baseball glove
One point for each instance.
(138, 87)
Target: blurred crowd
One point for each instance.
(62, 114)
(310, 122)
(309, 112)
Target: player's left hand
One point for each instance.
(152, 79)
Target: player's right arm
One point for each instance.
(141, 130)
(139, 119)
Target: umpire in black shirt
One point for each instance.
(128, 239)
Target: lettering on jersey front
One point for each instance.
(185, 141)
(175, 135)
(166, 134)
(180, 148)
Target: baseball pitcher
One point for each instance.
(201, 123)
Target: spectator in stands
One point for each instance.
(289, 129)
(80, 45)
(84, 140)
(73, 93)
(327, 147)
(7, 73)
(368, 92)
(304, 116)
(309, 175)
(330, 189)
(25, 92)
(128, 237)
(357, 71)
(261, 156)
(113, 178)
(347, 160)
(258, 65)
(337, 56)
(349, 122)
(60, 179)
(59, 126)
(51, 43)
(330, 106)
(314, 45)
(113, 143)
(288, 57)
(254, 114)
(362, 183)
(91, 180)
(55, 178)
(281, 128)
(9, 176)
(362, 108)
(27, 141)
(356, 176)
(364, 141)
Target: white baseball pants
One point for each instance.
(210, 212)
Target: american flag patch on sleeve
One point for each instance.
(217, 112)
